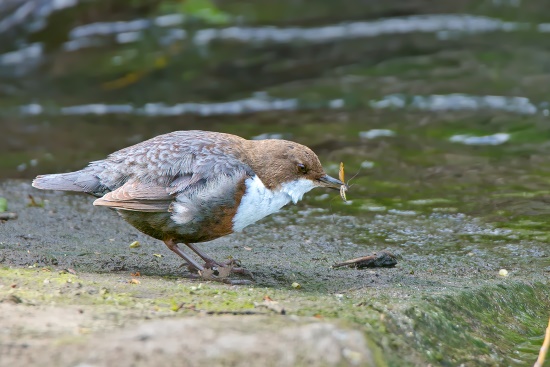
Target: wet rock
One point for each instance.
(218, 341)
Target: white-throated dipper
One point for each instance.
(195, 186)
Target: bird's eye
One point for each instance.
(302, 168)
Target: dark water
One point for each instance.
(438, 107)
(446, 103)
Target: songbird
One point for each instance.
(195, 186)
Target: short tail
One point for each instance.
(80, 181)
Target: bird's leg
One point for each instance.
(173, 246)
(206, 273)
(210, 262)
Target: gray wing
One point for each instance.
(184, 165)
(137, 196)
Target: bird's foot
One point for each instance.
(222, 276)
(213, 264)
(223, 269)
(217, 271)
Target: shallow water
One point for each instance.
(441, 111)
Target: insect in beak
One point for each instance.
(343, 187)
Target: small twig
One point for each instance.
(233, 312)
(220, 312)
(382, 259)
(544, 348)
(7, 216)
(271, 305)
(34, 203)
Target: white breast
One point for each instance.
(259, 202)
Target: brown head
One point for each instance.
(280, 161)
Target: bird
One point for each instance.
(189, 187)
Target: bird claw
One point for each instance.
(220, 272)
(243, 271)
(223, 272)
(231, 263)
(208, 274)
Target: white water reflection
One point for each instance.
(93, 35)
(32, 14)
(421, 23)
(258, 103)
(470, 24)
(457, 102)
(132, 31)
(30, 52)
(495, 139)
(375, 133)
(109, 28)
(262, 102)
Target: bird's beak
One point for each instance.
(330, 182)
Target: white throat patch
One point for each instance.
(259, 202)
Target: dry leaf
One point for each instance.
(206, 274)
(223, 272)
(271, 305)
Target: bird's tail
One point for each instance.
(81, 181)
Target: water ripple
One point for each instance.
(420, 23)
(262, 102)
(461, 23)
(457, 102)
(93, 35)
(495, 139)
(258, 103)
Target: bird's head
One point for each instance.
(289, 166)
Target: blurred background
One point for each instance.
(435, 105)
